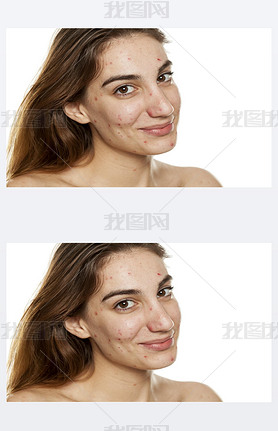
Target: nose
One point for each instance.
(158, 105)
(159, 320)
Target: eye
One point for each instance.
(165, 77)
(167, 290)
(124, 89)
(123, 305)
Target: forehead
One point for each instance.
(137, 260)
(127, 51)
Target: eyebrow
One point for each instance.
(133, 77)
(168, 277)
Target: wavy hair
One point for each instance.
(43, 352)
(43, 138)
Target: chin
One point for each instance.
(160, 149)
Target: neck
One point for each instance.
(111, 382)
(113, 168)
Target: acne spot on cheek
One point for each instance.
(95, 313)
(158, 273)
(134, 170)
(101, 309)
(95, 98)
(119, 124)
(95, 335)
(151, 94)
(111, 277)
(145, 142)
(119, 339)
(129, 273)
(119, 332)
(134, 384)
(172, 359)
(151, 309)
(109, 125)
(95, 121)
(159, 59)
(145, 356)
(171, 145)
(160, 109)
(109, 340)
(110, 62)
(128, 58)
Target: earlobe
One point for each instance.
(73, 110)
(75, 326)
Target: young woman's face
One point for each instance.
(133, 105)
(134, 312)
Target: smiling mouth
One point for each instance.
(159, 129)
(158, 345)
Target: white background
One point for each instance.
(214, 284)
(216, 70)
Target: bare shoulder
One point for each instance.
(27, 180)
(198, 392)
(25, 395)
(175, 391)
(176, 176)
(197, 177)
(36, 179)
(36, 395)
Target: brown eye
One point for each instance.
(125, 89)
(165, 77)
(124, 305)
(164, 293)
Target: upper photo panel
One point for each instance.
(138, 107)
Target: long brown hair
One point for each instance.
(42, 136)
(43, 352)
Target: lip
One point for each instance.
(159, 129)
(163, 344)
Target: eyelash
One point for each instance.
(125, 86)
(170, 288)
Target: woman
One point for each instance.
(104, 319)
(103, 105)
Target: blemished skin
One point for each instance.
(119, 327)
(126, 106)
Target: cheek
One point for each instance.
(127, 329)
(125, 114)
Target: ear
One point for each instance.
(75, 111)
(76, 326)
